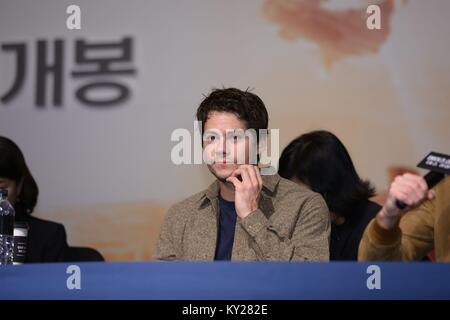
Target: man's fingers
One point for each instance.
(245, 176)
(409, 192)
(252, 175)
(235, 181)
(412, 190)
(418, 180)
(413, 186)
(258, 176)
(236, 172)
(402, 196)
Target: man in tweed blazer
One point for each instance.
(243, 215)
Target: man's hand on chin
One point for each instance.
(247, 191)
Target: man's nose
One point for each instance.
(222, 148)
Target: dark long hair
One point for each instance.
(320, 160)
(13, 166)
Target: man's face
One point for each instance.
(224, 143)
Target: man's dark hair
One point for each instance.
(13, 166)
(320, 160)
(247, 106)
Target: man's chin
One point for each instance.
(222, 172)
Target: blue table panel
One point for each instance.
(226, 281)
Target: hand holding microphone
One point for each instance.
(409, 191)
(431, 179)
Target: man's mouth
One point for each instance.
(224, 161)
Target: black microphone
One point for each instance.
(439, 166)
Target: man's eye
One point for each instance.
(237, 137)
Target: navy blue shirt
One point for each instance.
(225, 234)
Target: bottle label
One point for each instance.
(20, 249)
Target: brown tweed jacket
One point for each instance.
(292, 223)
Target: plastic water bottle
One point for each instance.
(7, 214)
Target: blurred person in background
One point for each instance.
(320, 161)
(46, 241)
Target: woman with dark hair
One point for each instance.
(319, 160)
(46, 240)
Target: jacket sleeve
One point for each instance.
(411, 240)
(309, 239)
